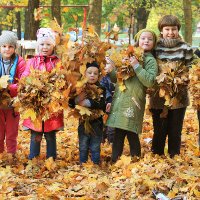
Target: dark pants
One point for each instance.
(109, 134)
(91, 141)
(36, 138)
(170, 126)
(118, 143)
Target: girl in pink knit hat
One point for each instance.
(13, 65)
(44, 60)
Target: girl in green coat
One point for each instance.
(128, 106)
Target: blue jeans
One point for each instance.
(90, 142)
(36, 138)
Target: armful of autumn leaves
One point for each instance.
(5, 98)
(174, 78)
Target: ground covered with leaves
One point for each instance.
(126, 179)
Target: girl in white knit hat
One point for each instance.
(13, 65)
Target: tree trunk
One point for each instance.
(18, 19)
(31, 26)
(142, 16)
(55, 9)
(94, 15)
(187, 8)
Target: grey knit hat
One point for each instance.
(8, 37)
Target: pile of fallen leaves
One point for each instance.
(172, 81)
(5, 98)
(42, 94)
(64, 178)
(195, 84)
(122, 63)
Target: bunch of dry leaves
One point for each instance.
(42, 94)
(172, 81)
(122, 63)
(5, 98)
(84, 114)
(195, 84)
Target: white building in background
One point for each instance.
(196, 36)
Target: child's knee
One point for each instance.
(37, 138)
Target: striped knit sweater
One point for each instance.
(169, 50)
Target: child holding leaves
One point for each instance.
(13, 65)
(110, 88)
(128, 106)
(90, 139)
(171, 50)
(45, 60)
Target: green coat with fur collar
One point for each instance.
(128, 107)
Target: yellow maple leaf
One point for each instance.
(67, 91)
(125, 159)
(66, 9)
(80, 83)
(83, 110)
(29, 113)
(91, 29)
(4, 81)
(196, 193)
(161, 92)
(50, 164)
(122, 87)
(83, 69)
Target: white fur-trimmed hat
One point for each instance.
(8, 37)
(46, 34)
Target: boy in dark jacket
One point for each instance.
(92, 140)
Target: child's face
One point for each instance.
(7, 51)
(45, 48)
(170, 32)
(92, 73)
(146, 41)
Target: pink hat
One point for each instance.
(46, 34)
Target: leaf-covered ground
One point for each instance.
(65, 179)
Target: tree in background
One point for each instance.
(55, 9)
(94, 15)
(127, 14)
(31, 25)
(187, 8)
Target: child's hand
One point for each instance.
(109, 65)
(81, 103)
(108, 106)
(85, 103)
(134, 62)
